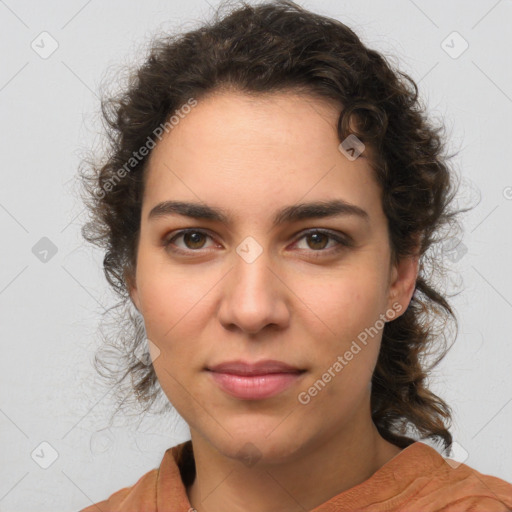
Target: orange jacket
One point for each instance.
(417, 479)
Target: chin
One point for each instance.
(251, 446)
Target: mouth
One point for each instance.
(264, 367)
(254, 381)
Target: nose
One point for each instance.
(254, 296)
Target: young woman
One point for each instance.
(272, 189)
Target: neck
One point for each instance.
(315, 474)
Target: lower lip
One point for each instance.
(255, 387)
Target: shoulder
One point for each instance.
(142, 493)
(471, 490)
(455, 486)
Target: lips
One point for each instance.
(254, 381)
(265, 367)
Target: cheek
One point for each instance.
(346, 303)
(167, 325)
(167, 295)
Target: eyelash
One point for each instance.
(343, 242)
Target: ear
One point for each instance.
(132, 290)
(402, 282)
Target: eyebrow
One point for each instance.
(289, 214)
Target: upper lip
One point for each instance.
(267, 366)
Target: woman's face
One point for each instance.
(243, 287)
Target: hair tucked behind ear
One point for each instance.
(280, 46)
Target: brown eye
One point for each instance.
(320, 240)
(193, 241)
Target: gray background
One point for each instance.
(49, 310)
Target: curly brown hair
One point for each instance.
(279, 46)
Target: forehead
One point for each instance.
(280, 121)
(253, 152)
